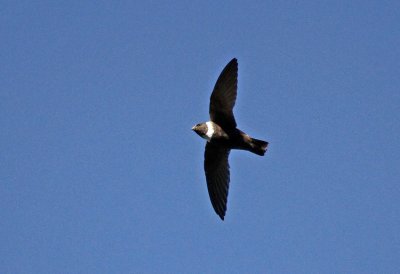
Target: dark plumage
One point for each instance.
(222, 136)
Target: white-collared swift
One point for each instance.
(222, 135)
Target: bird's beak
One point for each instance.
(194, 127)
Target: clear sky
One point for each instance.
(101, 173)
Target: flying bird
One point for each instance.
(222, 135)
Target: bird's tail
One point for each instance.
(258, 147)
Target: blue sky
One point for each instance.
(100, 172)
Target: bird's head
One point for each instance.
(200, 129)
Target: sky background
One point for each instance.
(101, 173)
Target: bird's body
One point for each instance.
(222, 135)
(232, 139)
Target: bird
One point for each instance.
(222, 136)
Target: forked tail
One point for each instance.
(258, 147)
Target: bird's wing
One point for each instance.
(223, 97)
(216, 167)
